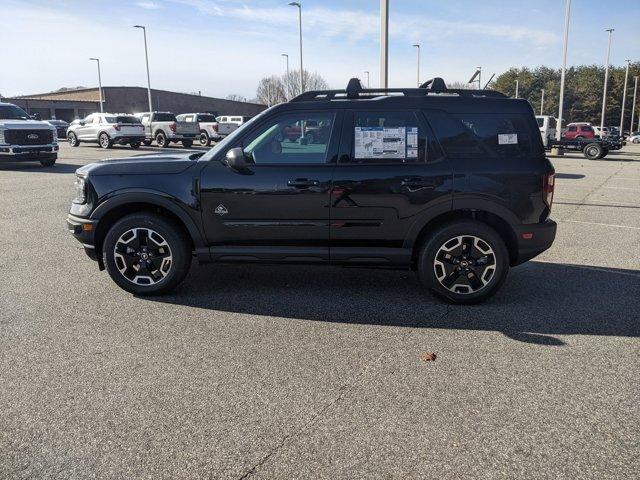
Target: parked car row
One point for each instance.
(163, 128)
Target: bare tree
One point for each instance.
(312, 81)
(271, 91)
(236, 98)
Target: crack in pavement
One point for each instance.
(342, 391)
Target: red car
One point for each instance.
(579, 130)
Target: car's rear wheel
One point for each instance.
(187, 143)
(463, 262)
(72, 139)
(147, 142)
(161, 140)
(205, 140)
(105, 141)
(593, 151)
(135, 145)
(146, 254)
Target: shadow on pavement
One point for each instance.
(538, 300)
(569, 176)
(36, 167)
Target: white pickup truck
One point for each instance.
(164, 128)
(24, 139)
(208, 126)
(228, 123)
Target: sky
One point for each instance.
(222, 47)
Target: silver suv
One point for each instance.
(106, 129)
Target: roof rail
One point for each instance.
(355, 91)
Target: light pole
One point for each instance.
(296, 4)
(368, 78)
(567, 18)
(479, 78)
(542, 103)
(517, 87)
(417, 45)
(146, 56)
(606, 80)
(633, 109)
(99, 83)
(287, 78)
(624, 96)
(384, 43)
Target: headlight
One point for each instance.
(80, 190)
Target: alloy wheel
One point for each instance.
(465, 264)
(143, 256)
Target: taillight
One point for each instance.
(117, 126)
(215, 127)
(173, 127)
(548, 185)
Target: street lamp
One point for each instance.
(633, 109)
(384, 43)
(99, 83)
(287, 77)
(417, 45)
(542, 103)
(517, 87)
(296, 4)
(146, 56)
(567, 18)
(624, 96)
(368, 78)
(606, 80)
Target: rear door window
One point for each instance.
(164, 117)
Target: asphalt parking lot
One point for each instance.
(294, 372)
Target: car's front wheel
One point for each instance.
(464, 262)
(146, 254)
(72, 139)
(161, 140)
(205, 140)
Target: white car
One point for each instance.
(106, 129)
(207, 123)
(547, 126)
(228, 123)
(601, 133)
(634, 137)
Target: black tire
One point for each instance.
(104, 141)
(205, 140)
(135, 145)
(592, 151)
(49, 162)
(446, 236)
(171, 264)
(187, 143)
(161, 140)
(605, 152)
(72, 139)
(147, 142)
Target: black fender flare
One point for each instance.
(155, 198)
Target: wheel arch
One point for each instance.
(113, 209)
(490, 218)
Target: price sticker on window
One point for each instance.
(507, 139)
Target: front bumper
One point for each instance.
(83, 230)
(13, 153)
(533, 239)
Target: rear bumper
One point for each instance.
(121, 139)
(533, 239)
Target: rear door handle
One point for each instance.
(417, 182)
(303, 183)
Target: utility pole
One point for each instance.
(517, 85)
(624, 96)
(296, 4)
(368, 86)
(565, 42)
(384, 43)
(417, 45)
(287, 78)
(146, 56)
(633, 109)
(606, 80)
(97, 60)
(542, 103)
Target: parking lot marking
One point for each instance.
(602, 224)
(623, 188)
(597, 269)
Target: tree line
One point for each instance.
(582, 94)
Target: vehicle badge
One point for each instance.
(221, 210)
(33, 136)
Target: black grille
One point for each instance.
(28, 137)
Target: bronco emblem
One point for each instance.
(221, 210)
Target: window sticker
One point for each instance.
(412, 142)
(507, 139)
(381, 142)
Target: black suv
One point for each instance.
(451, 183)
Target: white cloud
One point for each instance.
(149, 5)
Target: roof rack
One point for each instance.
(354, 91)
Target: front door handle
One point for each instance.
(303, 183)
(417, 182)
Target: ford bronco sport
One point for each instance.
(451, 183)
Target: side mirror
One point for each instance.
(236, 159)
(82, 123)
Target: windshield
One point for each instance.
(11, 112)
(234, 136)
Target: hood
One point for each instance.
(143, 165)
(21, 124)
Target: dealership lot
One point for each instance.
(289, 372)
